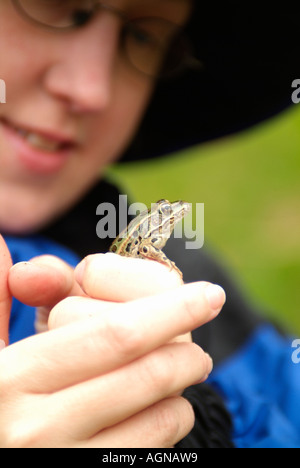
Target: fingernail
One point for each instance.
(79, 271)
(210, 366)
(2, 345)
(216, 297)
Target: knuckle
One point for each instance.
(30, 427)
(21, 435)
(15, 437)
(123, 338)
(16, 428)
(167, 423)
(158, 373)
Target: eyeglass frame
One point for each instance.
(189, 61)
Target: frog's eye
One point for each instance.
(166, 209)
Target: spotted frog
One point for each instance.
(148, 233)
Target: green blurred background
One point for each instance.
(250, 185)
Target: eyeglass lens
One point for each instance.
(147, 42)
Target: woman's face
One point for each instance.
(73, 105)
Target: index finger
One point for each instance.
(44, 281)
(5, 297)
(114, 278)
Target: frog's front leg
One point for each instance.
(148, 251)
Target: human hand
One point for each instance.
(62, 376)
(47, 280)
(5, 296)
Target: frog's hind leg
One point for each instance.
(151, 252)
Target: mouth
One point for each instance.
(42, 140)
(40, 151)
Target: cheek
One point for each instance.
(115, 129)
(16, 53)
(22, 66)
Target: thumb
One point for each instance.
(5, 297)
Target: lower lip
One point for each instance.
(33, 159)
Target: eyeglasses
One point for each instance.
(153, 46)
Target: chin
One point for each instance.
(19, 227)
(20, 224)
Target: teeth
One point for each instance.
(41, 142)
(38, 141)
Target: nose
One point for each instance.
(81, 73)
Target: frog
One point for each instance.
(147, 234)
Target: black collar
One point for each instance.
(76, 229)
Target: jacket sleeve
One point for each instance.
(213, 425)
